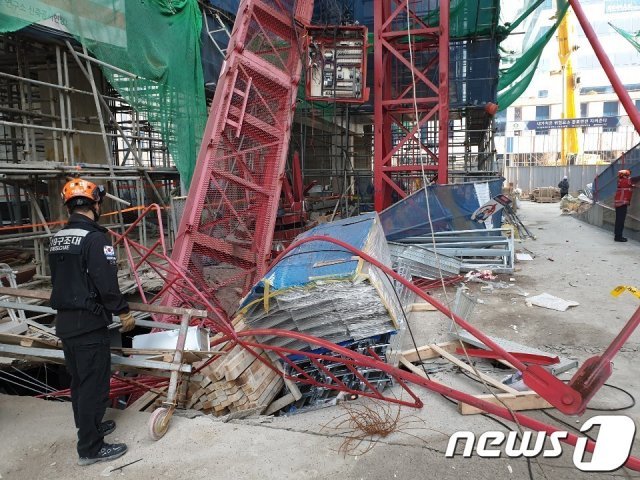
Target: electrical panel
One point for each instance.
(337, 64)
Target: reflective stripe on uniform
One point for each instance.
(76, 232)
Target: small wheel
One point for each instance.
(159, 423)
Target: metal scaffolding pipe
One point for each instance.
(119, 128)
(72, 130)
(104, 64)
(57, 86)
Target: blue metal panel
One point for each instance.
(606, 183)
(319, 259)
(450, 208)
(229, 6)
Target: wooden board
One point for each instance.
(426, 352)
(280, 403)
(146, 399)
(27, 341)
(489, 380)
(522, 401)
(422, 307)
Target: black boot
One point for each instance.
(109, 451)
(106, 427)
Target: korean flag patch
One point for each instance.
(110, 254)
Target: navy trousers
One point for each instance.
(621, 215)
(88, 360)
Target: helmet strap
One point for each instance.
(96, 214)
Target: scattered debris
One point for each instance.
(330, 294)
(563, 365)
(547, 300)
(572, 205)
(476, 249)
(481, 275)
(546, 194)
(516, 382)
(523, 257)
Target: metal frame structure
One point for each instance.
(47, 93)
(411, 94)
(224, 239)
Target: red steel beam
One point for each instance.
(570, 399)
(443, 92)
(398, 116)
(607, 66)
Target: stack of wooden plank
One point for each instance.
(235, 382)
(545, 194)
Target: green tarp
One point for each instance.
(157, 40)
(633, 38)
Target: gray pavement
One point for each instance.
(573, 260)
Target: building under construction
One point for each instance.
(285, 180)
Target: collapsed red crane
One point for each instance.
(570, 399)
(225, 234)
(224, 240)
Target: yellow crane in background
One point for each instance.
(569, 84)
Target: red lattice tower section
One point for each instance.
(225, 234)
(411, 92)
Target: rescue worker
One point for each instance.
(86, 293)
(564, 187)
(621, 201)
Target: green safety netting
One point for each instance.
(633, 38)
(156, 40)
(467, 18)
(511, 23)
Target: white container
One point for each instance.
(197, 340)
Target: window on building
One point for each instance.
(500, 122)
(638, 105)
(509, 144)
(517, 133)
(517, 114)
(610, 109)
(542, 113)
(543, 93)
(584, 110)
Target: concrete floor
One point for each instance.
(573, 260)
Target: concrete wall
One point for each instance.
(605, 217)
(528, 178)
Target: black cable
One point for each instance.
(616, 409)
(505, 426)
(415, 345)
(567, 424)
(406, 320)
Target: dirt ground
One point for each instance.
(572, 260)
